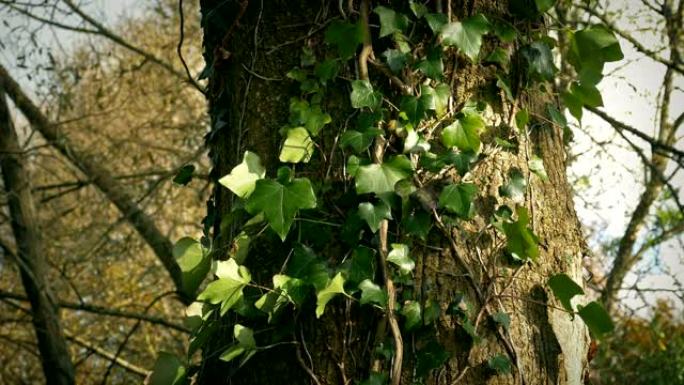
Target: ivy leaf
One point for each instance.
(285, 290)
(590, 49)
(503, 83)
(499, 56)
(227, 289)
(281, 202)
(522, 117)
(334, 287)
(298, 146)
(396, 60)
(466, 35)
(345, 36)
(418, 9)
(458, 199)
(327, 70)
(418, 224)
(306, 266)
(539, 61)
(381, 178)
(564, 288)
(556, 116)
(412, 314)
(504, 30)
(359, 141)
(372, 293)
(499, 363)
(515, 188)
(374, 214)
(193, 262)
(431, 312)
(544, 5)
(521, 242)
(436, 22)
(245, 345)
(390, 21)
(432, 356)
(400, 257)
(502, 319)
(464, 132)
(437, 98)
(536, 165)
(432, 65)
(168, 370)
(184, 175)
(573, 103)
(597, 319)
(243, 177)
(362, 265)
(362, 95)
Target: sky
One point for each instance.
(612, 188)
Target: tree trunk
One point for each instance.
(52, 345)
(248, 51)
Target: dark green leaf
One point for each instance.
(464, 132)
(432, 65)
(515, 188)
(521, 242)
(375, 379)
(345, 36)
(504, 30)
(502, 319)
(168, 370)
(521, 119)
(381, 178)
(466, 35)
(544, 5)
(363, 95)
(418, 9)
(396, 60)
(184, 175)
(374, 214)
(411, 312)
(437, 98)
(390, 21)
(499, 56)
(327, 70)
(499, 363)
(359, 141)
(362, 265)
(436, 21)
(432, 356)
(281, 202)
(564, 288)
(306, 266)
(458, 199)
(431, 312)
(597, 319)
(372, 293)
(539, 61)
(418, 224)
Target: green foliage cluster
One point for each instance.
(421, 183)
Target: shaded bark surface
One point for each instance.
(54, 354)
(247, 111)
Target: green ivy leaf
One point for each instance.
(432, 65)
(536, 165)
(521, 242)
(522, 117)
(464, 132)
(430, 357)
(362, 265)
(539, 61)
(431, 312)
(281, 202)
(227, 289)
(374, 214)
(590, 49)
(400, 257)
(243, 177)
(390, 21)
(363, 95)
(306, 266)
(345, 36)
(418, 9)
(466, 35)
(499, 363)
(502, 319)
(504, 31)
(458, 199)
(246, 344)
(168, 370)
(597, 319)
(381, 178)
(504, 84)
(193, 262)
(298, 146)
(375, 379)
(556, 116)
(544, 5)
(327, 70)
(396, 60)
(564, 288)
(418, 224)
(573, 103)
(334, 287)
(436, 22)
(359, 141)
(372, 293)
(499, 56)
(412, 314)
(515, 188)
(437, 98)
(184, 175)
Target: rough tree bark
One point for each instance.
(52, 345)
(248, 44)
